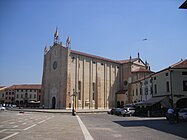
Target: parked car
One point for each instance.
(128, 111)
(112, 111)
(2, 108)
(118, 111)
(183, 114)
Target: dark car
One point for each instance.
(118, 111)
(112, 111)
(182, 114)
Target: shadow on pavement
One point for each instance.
(163, 125)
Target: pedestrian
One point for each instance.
(176, 115)
(170, 113)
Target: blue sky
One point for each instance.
(112, 29)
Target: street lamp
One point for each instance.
(74, 95)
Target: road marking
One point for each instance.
(30, 127)
(85, 131)
(49, 117)
(15, 126)
(41, 121)
(24, 123)
(5, 138)
(2, 130)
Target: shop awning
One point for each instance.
(155, 100)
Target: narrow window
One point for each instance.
(184, 85)
(93, 92)
(184, 73)
(146, 91)
(151, 90)
(79, 90)
(166, 74)
(155, 89)
(140, 91)
(167, 86)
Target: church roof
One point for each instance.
(104, 59)
(142, 69)
(127, 60)
(93, 56)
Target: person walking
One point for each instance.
(170, 113)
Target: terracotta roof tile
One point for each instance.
(141, 69)
(104, 59)
(180, 64)
(25, 86)
(93, 56)
(127, 61)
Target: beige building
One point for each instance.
(2, 94)
(97, 82)
(27, 94)
(21, 95)
(142, 89)
(172, 83)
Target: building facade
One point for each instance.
(172, 83)
(142, 89)
(21, 95)
(166, 88)
(72, 78)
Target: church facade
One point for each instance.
(72, 78)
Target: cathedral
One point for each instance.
(84, 81)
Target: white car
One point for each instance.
(128, 111)
(2, 108)
(183, 114)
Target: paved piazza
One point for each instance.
(61, 126)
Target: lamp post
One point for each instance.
(74, 95)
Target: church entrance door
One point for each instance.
(53, 102)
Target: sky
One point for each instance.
(114, 29)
